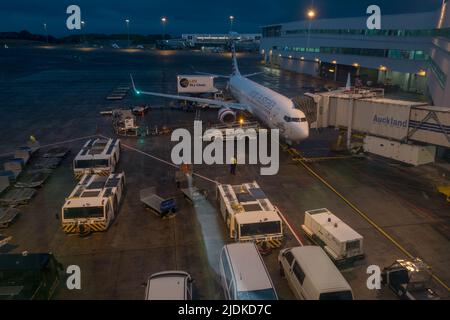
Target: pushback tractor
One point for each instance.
(249, 215)
(93, 204)
(98, 156)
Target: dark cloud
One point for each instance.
(107, 16)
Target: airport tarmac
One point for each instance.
(57, 94)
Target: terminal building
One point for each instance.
(244, 41)
(410, 52)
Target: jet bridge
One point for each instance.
(388, 126)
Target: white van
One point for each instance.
(243, 273)
(312, 275)
(169, 285)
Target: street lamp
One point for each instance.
(311, 15)
(82, 31)
(128, 30)
(46, 31)
(164, 21)
(231, 22)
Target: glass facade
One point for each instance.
(275, 31)
(383, 53)
(272, 31)
(440, 75)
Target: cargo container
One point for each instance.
(339, 241)
(407, 153)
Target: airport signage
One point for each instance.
(195, 84)
(390, 121)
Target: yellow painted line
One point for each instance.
(324, 158)
(362, 214)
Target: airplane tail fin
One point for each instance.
(233, 56)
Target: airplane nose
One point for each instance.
(300, 133)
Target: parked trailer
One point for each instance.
(17, 196)
(409, 280)
(33, 179)
(162, 207)
(4, 241)
(98, 156)
(93, 204)
(7, 216)
(339, 241)
(30, 276)
(5, 180)
(249, 215)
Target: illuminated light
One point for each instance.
(334, 62)
(422, 73)
(241, 121)
(231, 17)
(311, 13)
(302, 58)
(356, 65)
(383, 68)
(331, 70)
(163, 19)
(279, 54)
(263, 51)
(138, 92)
(317, 59)
(290, 57)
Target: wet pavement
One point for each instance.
(57, 94)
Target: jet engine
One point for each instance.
(226, 115)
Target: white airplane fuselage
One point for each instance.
(273, 109)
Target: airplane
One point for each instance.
(274, 110)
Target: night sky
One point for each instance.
(195, 16)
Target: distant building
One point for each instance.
(251, 40)
(410, 52)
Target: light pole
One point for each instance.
(311, 15)
(46, 31)
(164, 21)
(128, 30)
(83, 36)
(231, 22)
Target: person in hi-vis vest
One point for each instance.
(233, 165)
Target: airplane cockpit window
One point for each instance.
(290, 119)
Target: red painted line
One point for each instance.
(293, 231)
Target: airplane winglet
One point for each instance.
(134, 87)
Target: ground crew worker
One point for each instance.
(233, 166)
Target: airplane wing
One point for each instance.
(212, 102)
(252, 74)
(212, 75)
